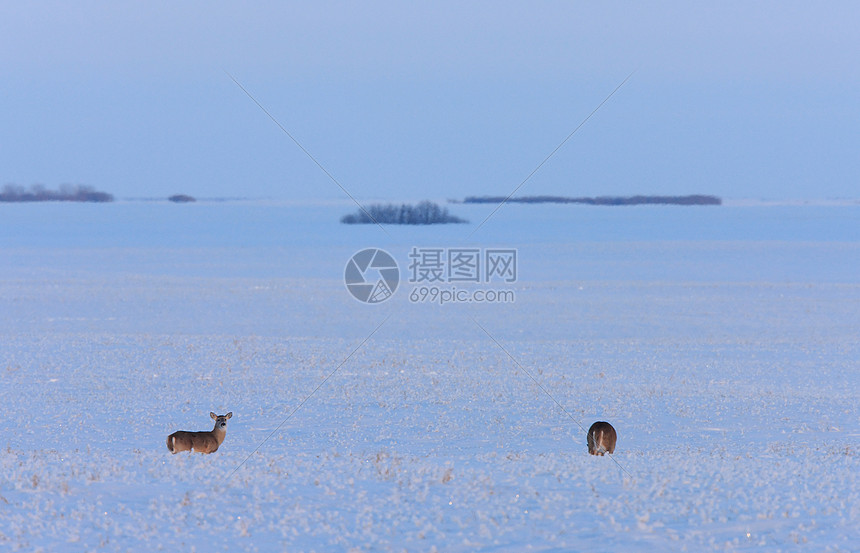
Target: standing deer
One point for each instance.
(601, 438)
(201, 442)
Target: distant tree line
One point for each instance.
(425, 213)
(694, 199)
(66, 193)
(181, 198)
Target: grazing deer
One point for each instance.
(201, 442)
(601, 438)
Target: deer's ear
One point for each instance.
(230, 414)
(211, 414)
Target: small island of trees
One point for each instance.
(66, 193)
(425, 213)
(181, 198)
(693, 199)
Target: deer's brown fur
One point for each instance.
(201, 442)
(601, 438)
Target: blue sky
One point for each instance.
(432, 100)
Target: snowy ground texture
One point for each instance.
(723, 346)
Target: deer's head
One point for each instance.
(220, 420)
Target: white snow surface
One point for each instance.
(721, 343)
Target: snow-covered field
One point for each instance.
(722, 344)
